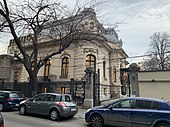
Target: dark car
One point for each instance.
(131, 112)
(1, 120)
(10, 99)
(51, 104)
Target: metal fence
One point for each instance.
(76, 88)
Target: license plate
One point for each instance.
(73, 109)
(17, 105)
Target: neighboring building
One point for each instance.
(155, 84)
(105, 55)
(6, 67)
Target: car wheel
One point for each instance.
(163, 125)
(54, 115)
(96, 121)
(22, 110)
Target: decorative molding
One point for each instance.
(65, 54)
(91, 50)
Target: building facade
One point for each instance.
(105, 54)
(6, 67)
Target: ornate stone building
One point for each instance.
(5, 67)
(106, 55)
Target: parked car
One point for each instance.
(10, 99)
(51, 104)
(1, 120)
(131, 112)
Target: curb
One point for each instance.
(81, 113)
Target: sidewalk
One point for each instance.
(81, 113)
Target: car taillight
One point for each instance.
(62, 104)
(10, 99)
(2, 125)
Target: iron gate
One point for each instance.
(75, 88)
(96, 89)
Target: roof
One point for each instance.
(54, 93)
(8, 91)
(146, 98)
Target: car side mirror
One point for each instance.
(110, 107)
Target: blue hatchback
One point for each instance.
(131, 112)
(10, 99)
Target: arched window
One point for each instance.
(91, 61)
(47, 68)
(64, 67)
(63, 90)
(16, 75)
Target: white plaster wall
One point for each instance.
(154, 84)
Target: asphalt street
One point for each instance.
(13, 119)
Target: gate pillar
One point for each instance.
(88, 102)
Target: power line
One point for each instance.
(138, 56)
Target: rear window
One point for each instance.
(156, 105)
(2, 95)
(143, 104)
(68, 98)
(16, 95)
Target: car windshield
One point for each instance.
(16, 95)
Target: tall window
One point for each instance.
(47, 67)
(114, 74)
(91, 61)
(104, 69)
(32, 66)
(63, 90)
(16, 75)
(65, 65)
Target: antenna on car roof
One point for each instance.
(164, 95)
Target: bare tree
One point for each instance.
(41, 19)
(159, 50)
(150, 64)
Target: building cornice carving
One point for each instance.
(90, 50)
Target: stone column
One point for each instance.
(133, 79)
(88, 102)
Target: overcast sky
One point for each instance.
(140, 19)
